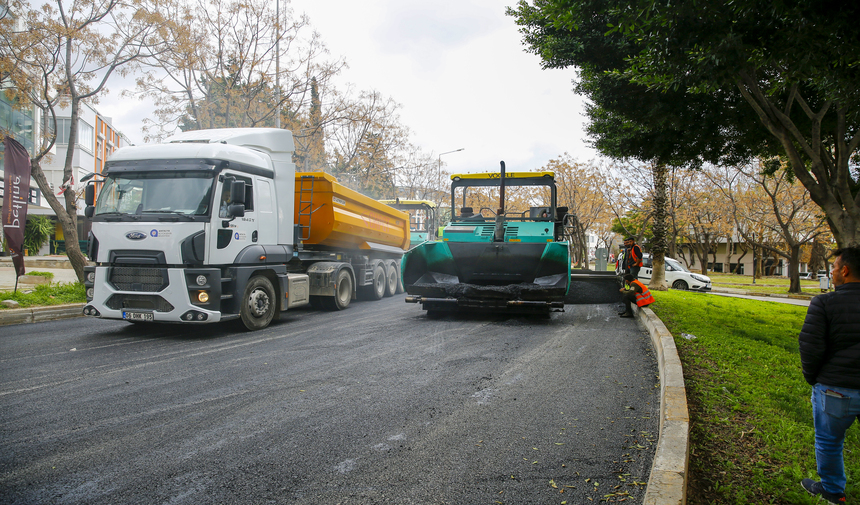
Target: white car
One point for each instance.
(677, 275)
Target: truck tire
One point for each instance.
(259, 303)
(376, 290)
(392, 279)
(342, 293)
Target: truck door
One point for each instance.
(229, 235)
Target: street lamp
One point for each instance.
(448, 152)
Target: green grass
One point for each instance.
(49, 275)
(771, 285)
(751, 418)
(47, 294)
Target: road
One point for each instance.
(376, 404)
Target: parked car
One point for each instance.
(677, 275)
(808, 276)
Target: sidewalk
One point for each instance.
(57, 265)
(63, 272)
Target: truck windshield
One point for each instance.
(156, 192)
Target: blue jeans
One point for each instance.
(833, 415)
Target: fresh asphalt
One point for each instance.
(374, 404)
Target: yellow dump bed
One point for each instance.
(339, 217)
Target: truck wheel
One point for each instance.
(376, 290)
(392, 280)
(342, 293)
(258, 303)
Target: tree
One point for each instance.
(795, 66)
(629, 120)
(580, 190)
(775, 205)
(64, 53)
(235, 63)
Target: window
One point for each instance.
(62, 129)
(86, 133)
(225, 195)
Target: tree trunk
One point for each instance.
(794, 269)
(658, 228)
(67, 216)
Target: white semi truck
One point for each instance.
(214, 225)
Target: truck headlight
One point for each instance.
(203, 297)
(91, 277)
(700, 278)
(90, 293)
(201, 280)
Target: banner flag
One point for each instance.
(16, 194)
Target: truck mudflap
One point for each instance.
(170, 301)
(490, 275)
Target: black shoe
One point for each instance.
(816, 489)
(622, 313)
(626, 314)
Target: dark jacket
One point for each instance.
(830, 338)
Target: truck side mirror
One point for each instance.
(236, 209)
(90, 195)
(237, 192)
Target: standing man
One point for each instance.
(830, 356)
(632, 257)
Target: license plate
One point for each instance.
(138, 316)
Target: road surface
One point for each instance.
(376, 404)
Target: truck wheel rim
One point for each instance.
(259, 302)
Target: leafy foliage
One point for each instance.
(37, 231)
(718, 81)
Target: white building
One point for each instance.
(96, 140)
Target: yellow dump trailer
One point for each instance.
(334, 216)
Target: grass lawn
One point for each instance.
(47, 294)
(751, 416)
(769, 285)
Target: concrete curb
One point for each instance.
(667, 484)
(40, 314)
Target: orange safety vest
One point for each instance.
(644, 298)
(634, 261)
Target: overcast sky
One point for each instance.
(458, 69)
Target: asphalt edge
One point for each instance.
(40, 314)
(667, 484)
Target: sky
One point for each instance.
(459, 71)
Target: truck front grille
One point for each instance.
(145, 302)
(138, 279)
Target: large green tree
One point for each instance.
(761, 76)
(629, 120)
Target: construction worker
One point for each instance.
(632, 257)
(634, 291)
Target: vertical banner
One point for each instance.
(16, 193)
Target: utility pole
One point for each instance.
(278, 63)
